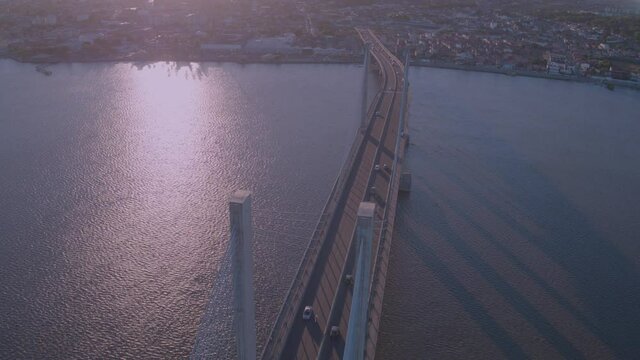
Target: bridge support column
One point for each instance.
(242, 271)
(356, 332)
(365, 86)
(405, 181)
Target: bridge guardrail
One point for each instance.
(386, 231)
(382, 252)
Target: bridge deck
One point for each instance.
(324, 287)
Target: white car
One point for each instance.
(335, 331)
(306, 314)
(348, 279)
(377, 167)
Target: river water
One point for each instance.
(114, 183)
(519, 237)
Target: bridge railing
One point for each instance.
(288, 311)
(384, 240)
(381, 263)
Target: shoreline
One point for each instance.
(532, 74)
(218, 59)
(328, 61)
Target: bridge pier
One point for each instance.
(244, 322)
(357, 329)
(405, 181)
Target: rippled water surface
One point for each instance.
(114, 182)
(520, 237)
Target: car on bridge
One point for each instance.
(306, 314)
(335, 332)
(348, 279)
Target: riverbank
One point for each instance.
(238, 59)
(244, 59)
(533, 74)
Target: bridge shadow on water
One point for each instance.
(215, 337)
(475, 206)
(604, 277)
(447, 277)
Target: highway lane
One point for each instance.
(306, 336)
(325, 290)
(334, 348)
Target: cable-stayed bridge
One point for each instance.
(342, 274)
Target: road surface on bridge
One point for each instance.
(325, 289)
